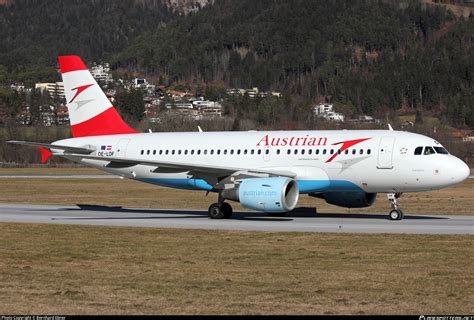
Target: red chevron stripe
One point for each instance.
(345, 145)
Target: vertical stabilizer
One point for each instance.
(90, 111)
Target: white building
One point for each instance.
(52, 88)
(141, 83)
(101, 73)
(325, 111)
(180, 105)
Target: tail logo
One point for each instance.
(80, 89)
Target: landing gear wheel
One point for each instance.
(226, 209)
(396, 214)
(215, 212)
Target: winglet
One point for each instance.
(45, 154)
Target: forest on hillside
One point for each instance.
(369, 56)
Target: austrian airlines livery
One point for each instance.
(264, 171)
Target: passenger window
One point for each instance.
(259, 151)
(418, 151)
(332, 151)
(154, 152)
(429, 150)
(199, 152)
(172, 151)
(166, 152)
(346, 152)
(245, 151)
(310, 151)
(205, 151)
(212, 151)
(339, 151)
(317, 151)
(218, 151)
(142, 152)
(232, 151)
(302, 151)
(368, 151)
(186, 151)
(238, 151)
(324, 151)
(296, 151)
(225, 151)
(148, 152)
(267, 151)
(361, 151)
(354, 151)
(288, 151)
(251, 151)
(179, 151)
(278, 151)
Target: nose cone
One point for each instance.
(459, 171)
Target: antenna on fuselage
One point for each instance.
(390, 127)
(199, 128)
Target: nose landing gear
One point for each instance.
(396, 213)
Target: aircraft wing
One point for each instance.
(209, 173)
(53, 146)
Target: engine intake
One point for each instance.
(275, 194)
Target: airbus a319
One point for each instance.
(263, 170)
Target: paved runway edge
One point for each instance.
(244, 221)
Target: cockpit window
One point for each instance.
(441, 150)
(429, 150)
(418, 150)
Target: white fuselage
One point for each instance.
(369, 160)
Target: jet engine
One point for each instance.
(274, 194)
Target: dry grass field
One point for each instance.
(117, 192)
(50, 269)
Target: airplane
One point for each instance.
(263, 170)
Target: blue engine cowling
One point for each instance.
(349, 199)
(275, 194)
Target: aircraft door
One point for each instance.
(122, 147)
(385, 153)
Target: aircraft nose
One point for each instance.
(459, 170)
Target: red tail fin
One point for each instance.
(90, 112)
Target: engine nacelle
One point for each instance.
(275, 194)
(349, 199)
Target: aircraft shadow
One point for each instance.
(255, 216)
(188, 213)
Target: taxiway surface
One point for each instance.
(300, 221)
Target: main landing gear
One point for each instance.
(220, 210)
(396, 213)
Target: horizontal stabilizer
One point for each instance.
(53, 146)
